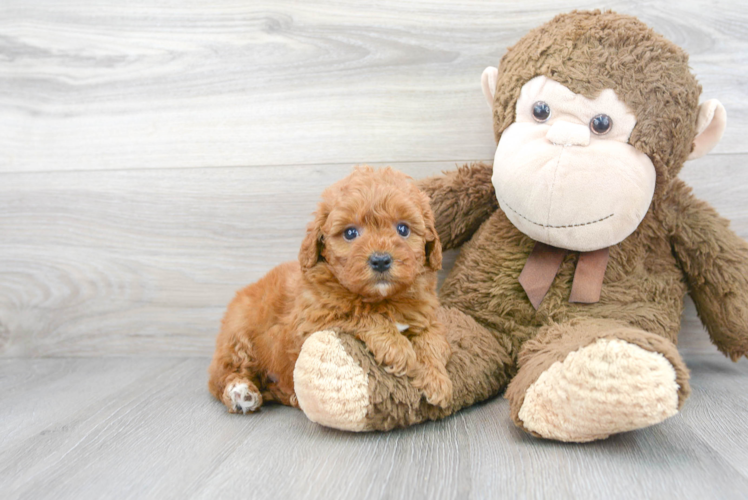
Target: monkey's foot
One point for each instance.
(607, 387)
(339, 383)
(331, 387)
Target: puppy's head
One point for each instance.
(374, 231)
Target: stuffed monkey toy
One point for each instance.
(578, 247)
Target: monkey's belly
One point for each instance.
(643, 285)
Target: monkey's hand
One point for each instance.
(715, 262)
(461, 200)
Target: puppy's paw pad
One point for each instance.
(438, 390)
(243, 398)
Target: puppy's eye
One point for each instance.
(350, 233)
(403, 230)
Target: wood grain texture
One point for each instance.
(94, 84)
(719, 403)
(158, 434)
(145, 261)
(157, 155)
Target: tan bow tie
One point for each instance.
(542, 266)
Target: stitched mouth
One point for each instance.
(557, 227)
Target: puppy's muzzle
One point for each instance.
(380, 262)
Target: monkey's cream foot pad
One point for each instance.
(604, 388)
(331, 387)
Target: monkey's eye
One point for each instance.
(541, 111)
(601, 124)
(350, 233)
(403, 230)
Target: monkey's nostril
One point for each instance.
(380, 262)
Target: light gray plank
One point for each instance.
(36, 396)
(719, 400)
(115, 449)
(665, 461)
(100, 85)
(162, 436)
(414, 463)
(145, 261)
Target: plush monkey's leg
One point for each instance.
(339, 384)
(588, 379)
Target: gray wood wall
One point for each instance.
(156, 156)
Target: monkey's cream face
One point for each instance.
(564, 172)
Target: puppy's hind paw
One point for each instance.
(397, 367)
(239, 397)
(437, 388)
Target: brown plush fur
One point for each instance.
(588, 52)
(477, 364)
(333, 286)
(682, 245)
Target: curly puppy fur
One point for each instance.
(335, 285)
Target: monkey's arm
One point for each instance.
(715, 262)
(461, 200)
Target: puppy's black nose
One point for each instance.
(380, 262)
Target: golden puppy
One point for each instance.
(367, 267)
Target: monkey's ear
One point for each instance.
(710, 125)
(488, 81)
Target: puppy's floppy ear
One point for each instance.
(433, 251)
(311, 248)
(433, 245)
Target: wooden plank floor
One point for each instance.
(121, 428)
(156, 156)
(155, 159)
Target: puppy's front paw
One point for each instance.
(399, 360)
(241, 397)
(436, 386)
